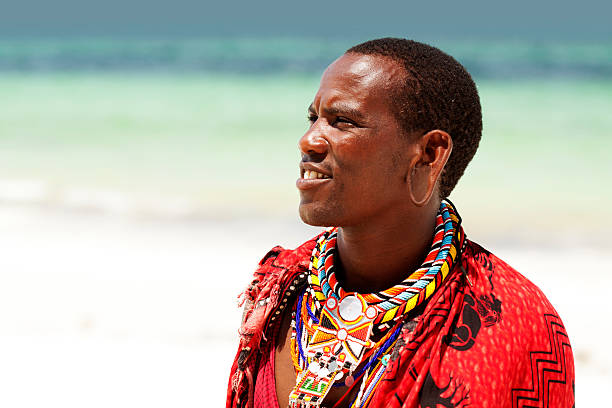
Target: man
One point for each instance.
(394, 306)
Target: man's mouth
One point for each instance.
(311, 175)
(312, 179)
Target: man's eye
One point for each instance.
(341, 119)
(312, 118)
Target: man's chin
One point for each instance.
(317, 216)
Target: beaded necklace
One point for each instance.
(332, 328)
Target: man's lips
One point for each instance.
(306, 184)
(310, 170)
(311, 176)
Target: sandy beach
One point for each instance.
(100, 309)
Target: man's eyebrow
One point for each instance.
(341, 109)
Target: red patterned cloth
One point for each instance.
(490, 339)
(264, 395)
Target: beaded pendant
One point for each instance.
(336, 348)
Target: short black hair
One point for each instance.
(437, 93)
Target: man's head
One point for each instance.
(381, 128)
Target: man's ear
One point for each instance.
(432, 152)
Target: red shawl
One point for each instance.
(488, 339)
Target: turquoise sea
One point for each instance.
(213, 124)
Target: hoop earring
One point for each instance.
(418, 203)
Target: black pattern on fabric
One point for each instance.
(547, 367)
(455, 394)
(478, 311)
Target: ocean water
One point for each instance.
(209, 128)
(243, 55)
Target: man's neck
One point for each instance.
(375, 257)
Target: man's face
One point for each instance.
(355, 156)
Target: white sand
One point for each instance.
(103, 310)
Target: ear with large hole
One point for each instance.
(432, 153)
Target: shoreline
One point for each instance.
(520, 226)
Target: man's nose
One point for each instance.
(313, 143)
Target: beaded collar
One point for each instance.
(332, 327)
(405, 296)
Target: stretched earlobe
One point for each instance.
(411, 183)
(434, 149)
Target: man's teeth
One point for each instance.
(311, 174)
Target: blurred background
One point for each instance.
(148, 155)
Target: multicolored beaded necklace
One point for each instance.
(332, 328)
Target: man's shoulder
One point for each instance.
(507, 326)
(279, 260)
(496, 275)
(503, 295)
(276, 268)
